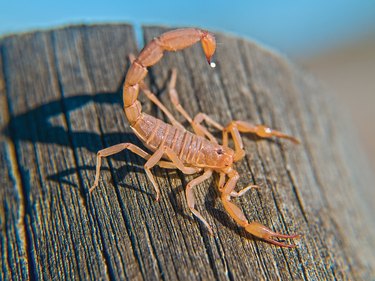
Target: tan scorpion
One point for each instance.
(174, 147)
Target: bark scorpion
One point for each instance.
(174, 147)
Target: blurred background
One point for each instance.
(334, 40)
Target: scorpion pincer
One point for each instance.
(173, 147)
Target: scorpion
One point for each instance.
(174, 147)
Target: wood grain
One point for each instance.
(60, 96)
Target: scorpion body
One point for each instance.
(174, 147)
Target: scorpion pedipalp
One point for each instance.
(263, 232)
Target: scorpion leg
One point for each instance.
(191, 199)
(221, 182)
(253, 228)
(157, 156)
(233, 193)
(174, 96)
(114, 150)
(202, 130)
(152, 97)
(243, 191)
(118, 148)
(237, 127)
(204, 117)
(198, 128)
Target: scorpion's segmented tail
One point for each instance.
(170, 41)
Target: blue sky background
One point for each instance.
(292, 27)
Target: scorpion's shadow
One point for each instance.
(36, 126)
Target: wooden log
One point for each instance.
(60, 98)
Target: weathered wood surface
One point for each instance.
(60, 97)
